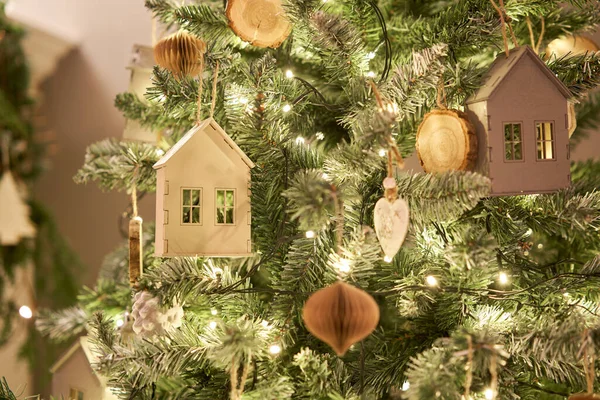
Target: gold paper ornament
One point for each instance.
(571, 45)
(262, 23)
(341, 315)
(584, 396)
(181, 53)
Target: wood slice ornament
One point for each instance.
(391, 219)
(446, 141)
(262, 23)
(181, 53)
(340, 315)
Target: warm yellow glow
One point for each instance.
(545, 140)
(25, 312)
(275, 349)
(431, 280)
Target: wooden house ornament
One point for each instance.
(73, 377)
(15, 223)
(521, 115)
(203, 196)
(140, 65)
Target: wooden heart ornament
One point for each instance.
(391, 224)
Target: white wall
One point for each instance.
(79, 109)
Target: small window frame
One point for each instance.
(504, 142)
(191, 206)
(80, 395)
(538, 141)
(225, 206)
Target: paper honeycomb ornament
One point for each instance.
(15, 223)
(570, 46)
(262, 23)
(181, 53)
(446, 141)
(340, 315)
(521, 115)
(584, 396)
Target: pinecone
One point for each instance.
(151, 319)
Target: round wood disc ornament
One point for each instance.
(585, 396)
(262, 23)
(446, 141)
(181, 53)
(341, 315)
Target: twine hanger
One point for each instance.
(536, 45)
(469, 368)
(393, 153)
(589, 361)
(5, 151)
(502, 12)
(441, 95)
(213, 94)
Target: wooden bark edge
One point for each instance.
(470, 138)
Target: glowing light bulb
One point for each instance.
(25, 312)
(371, 74)
(243, 100)
(275, 349)
(320, 135)
(431, 280)
(160, 152)
(387, 259)
(214, 312)
(343, 265)
(289, 74)
(300, 140)
(310, 234)
(120, 323)
(325, 176)
(540, 246)
(503, 278)
(382, 153)
(212, 324)
(371, 55)
(162, 98)
(265, 323)
(286, 108)
(405, 386)
(489, 394)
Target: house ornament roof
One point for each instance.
(501, 68)
(200, 128)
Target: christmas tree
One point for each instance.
(484, 293)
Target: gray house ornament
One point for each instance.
(521, 114)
